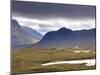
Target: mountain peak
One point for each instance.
(64, 29)
(15, 23)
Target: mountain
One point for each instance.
(66, 38)
(21, 36)
(32, 32)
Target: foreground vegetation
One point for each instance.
(29, 60)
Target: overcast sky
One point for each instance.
(45, 17)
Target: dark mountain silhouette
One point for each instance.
(66, 38)
(21, 36)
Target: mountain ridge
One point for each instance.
(20, 37)
(66, 38)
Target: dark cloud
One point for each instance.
(51, 10)
(45, 17)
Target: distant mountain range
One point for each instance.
(32, 32)
(22, 36)
(66, 38)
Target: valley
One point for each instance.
(30, 60)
